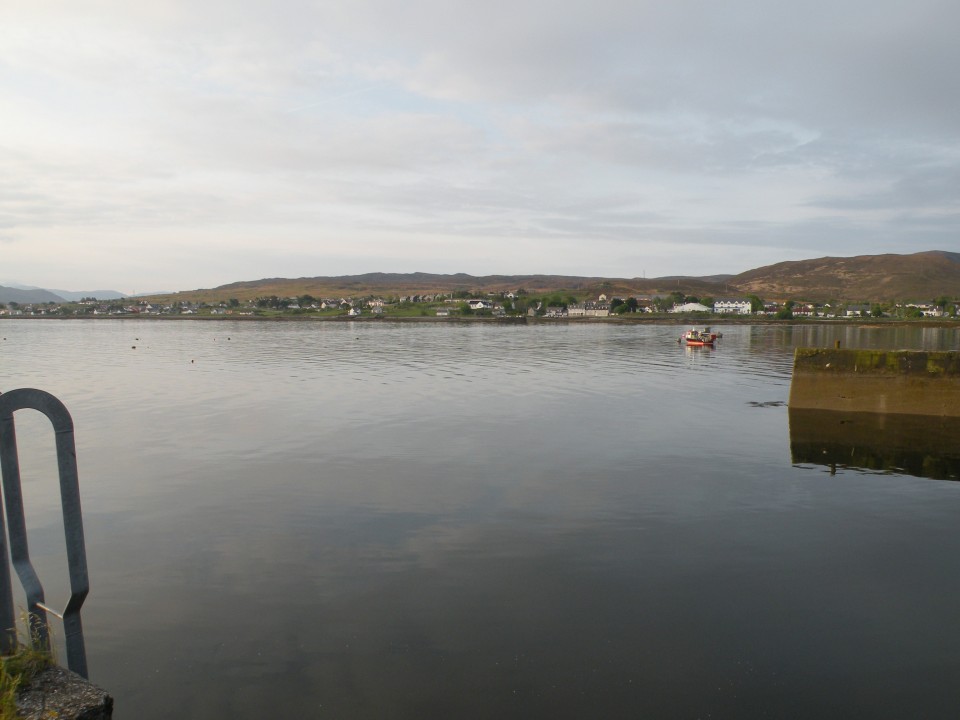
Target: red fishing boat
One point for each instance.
(700, 337)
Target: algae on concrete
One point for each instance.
(883, 381)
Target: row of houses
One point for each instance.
(353, 307)
(804, 309)
(601, 308)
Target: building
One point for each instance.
(731, 306)
(597, 309)
(689, 307)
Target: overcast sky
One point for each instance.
(170, 145)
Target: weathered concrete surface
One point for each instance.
(877, 381)
(61, 694)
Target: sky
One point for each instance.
(173, 145)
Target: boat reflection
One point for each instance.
(918, 445)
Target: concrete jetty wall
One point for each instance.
(876, 381)
(61, 694)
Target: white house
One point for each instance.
(689, 307)
(597, 309)
(729, 306)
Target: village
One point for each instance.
(463, 304)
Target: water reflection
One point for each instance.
(368, 520)
(918, 445)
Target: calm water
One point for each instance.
(475, 521)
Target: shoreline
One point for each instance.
(516, 320)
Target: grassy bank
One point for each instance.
(16, 673)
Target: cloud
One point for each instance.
(291, 131)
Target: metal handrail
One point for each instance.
(56, 412)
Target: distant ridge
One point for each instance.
(865, 278)
(58, 295)
(921, 276)
(17, 295)
(80, 294)
(418, 283)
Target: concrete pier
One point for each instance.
(876, 381)
(59, 693)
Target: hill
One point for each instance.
(399, 284)
(9, 294)
(865, 278)
(75, 295)
(920, 276)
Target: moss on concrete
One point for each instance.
(880, 381)
(899, 362)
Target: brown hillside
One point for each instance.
(396, 284)
(921, 276)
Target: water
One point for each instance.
(375, 520)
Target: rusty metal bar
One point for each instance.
(56, 412)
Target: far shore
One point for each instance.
(631, 319)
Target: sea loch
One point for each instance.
(355, 520)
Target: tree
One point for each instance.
(786, 312)
(708, 301)
(632, 304)
(756, 304)
(662, 303)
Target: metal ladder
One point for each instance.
(56, 412)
